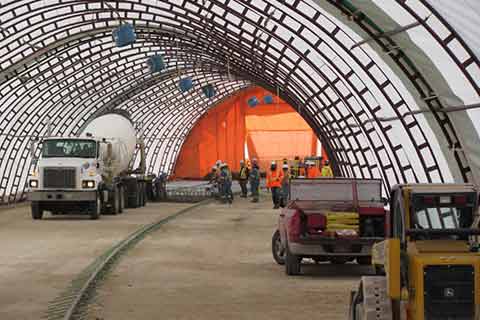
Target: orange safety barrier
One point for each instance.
(270, 131)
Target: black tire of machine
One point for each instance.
(292, 263)
(278, 253)
(37, 211)
(96, 208)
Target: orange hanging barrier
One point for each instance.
(270, 132)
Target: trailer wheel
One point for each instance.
(96, 208)
(144, 194)
(278, 251)
(115, 201)
(121, 199)
(140, 194)
(131, 191)
(292, 263)
(37, 212)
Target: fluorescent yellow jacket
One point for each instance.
(327, 171)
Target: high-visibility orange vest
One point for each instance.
(274, 178)
(313, 172)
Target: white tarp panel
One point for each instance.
(464, 17)
(461, 120)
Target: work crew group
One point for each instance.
(277, 178)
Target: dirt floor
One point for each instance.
(215, 262)
(38, 259)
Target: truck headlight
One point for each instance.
(88, 184)
(33, 183)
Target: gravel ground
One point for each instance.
(38, 259)
(215, 263)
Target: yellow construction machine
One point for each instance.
(428, 268)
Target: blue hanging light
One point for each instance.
(124, 35)
(253, 102)
(268, 99)
(208, 91)
(185, 84)
(155, 63)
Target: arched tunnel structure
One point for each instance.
(391, 88)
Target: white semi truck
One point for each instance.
(91, 173)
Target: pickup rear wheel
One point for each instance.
(292, 263)
(278, 250)
(37, 212)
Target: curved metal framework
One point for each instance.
(58, 62)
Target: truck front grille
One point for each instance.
(59, 178)
(449, 292)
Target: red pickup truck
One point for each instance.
(329, 219)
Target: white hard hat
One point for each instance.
(214, 168)
(274, 163)
(310, 163)
(242, 162)
(218, 162)
(223, 165)
(285, 166)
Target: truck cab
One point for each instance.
(68, 176)
(431, 259)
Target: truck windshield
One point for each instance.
(69, 148)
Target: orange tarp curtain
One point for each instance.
(271, 132)
(219, 135)
(277, 131)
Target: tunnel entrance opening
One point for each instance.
(234, 130)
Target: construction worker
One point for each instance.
(296, 167)
(214, 181)
(274, 183)
(312, 170)
(254, 179)
(302, 169)
(327, 170)
(285, 184)
(219, 179)
(243, 178)
(226, 178)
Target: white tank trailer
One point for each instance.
(90, 174)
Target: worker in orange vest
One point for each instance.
(274, 183)
(313, 171)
